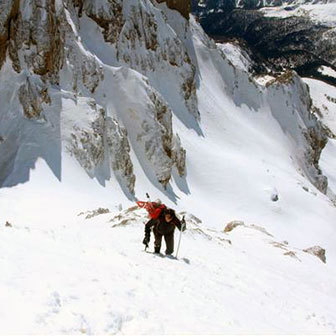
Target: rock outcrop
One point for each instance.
(8, 13)
(230, 226)
(32, 96)
(318, 252)
(94, 139)
(183, 6)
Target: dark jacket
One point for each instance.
(161, 226)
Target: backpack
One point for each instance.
(154, 210)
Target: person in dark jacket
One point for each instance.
(164, 226)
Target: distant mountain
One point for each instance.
(202, 6)
(297, 34)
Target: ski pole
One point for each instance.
(178, 246)
(147, 195)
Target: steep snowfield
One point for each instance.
(324, 99)
(71, 275)
(64, 274)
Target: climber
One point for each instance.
(164, 225)
(154, 209)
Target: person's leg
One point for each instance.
(157, 241)
(169, 239)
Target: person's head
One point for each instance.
(158, 201)
(169, 215)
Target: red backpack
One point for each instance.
(154, 209)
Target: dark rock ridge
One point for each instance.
(205, 6)
(293, 42)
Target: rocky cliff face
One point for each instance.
(8, 12)
(103, 81)
(44, 51)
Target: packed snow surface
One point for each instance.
(66, 272)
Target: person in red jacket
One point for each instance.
(163, 226)
(153, 208)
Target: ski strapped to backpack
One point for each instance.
(154, 209)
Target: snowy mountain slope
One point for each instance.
(97, 281)
(323, 97)
(241, 182)
(223, 152)
(324, 101)
(83, 74)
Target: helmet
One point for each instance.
(158, 201)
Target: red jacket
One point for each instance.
(154, 210)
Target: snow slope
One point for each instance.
(96, 279)
(64, 274)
